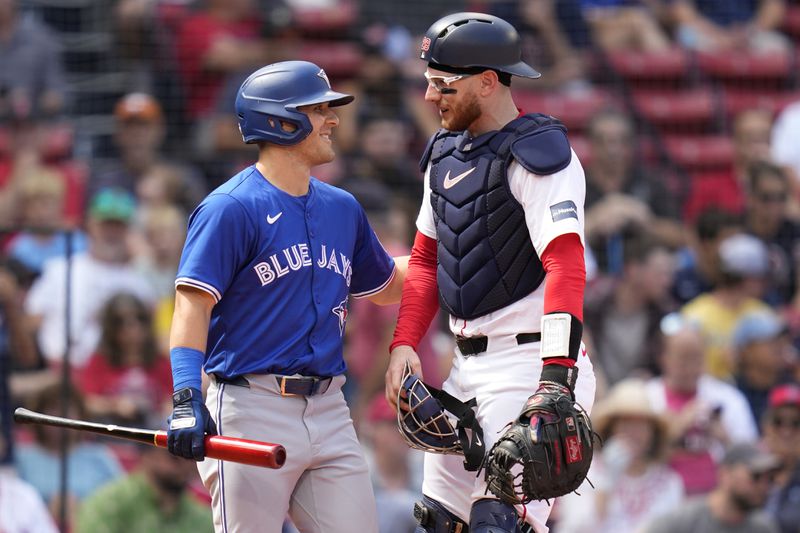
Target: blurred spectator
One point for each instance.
(735, 505)
(623, 316)
(384, 145)
(698, 267)
(620, 192)
(223, 38)
(744, 267)
(163, 233)
(155, 497)
(21, 507)
(727, 25)
(705, 414)
(767, 218)
(626, 25)
(556, 38)
(631, 482)
(89, 464)
(781, 429)
(728, 190)
(761, 357)
(396, 487)
(103, 270)
(381, 91)
(127, 378)
(785, 132)
(17, 349)
(31, 73)
(39, 199)
(139, 140)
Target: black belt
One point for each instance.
(475, 345)
(288, 385)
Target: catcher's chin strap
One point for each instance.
(472, 445)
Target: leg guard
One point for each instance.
(434, 518)
(493, 516)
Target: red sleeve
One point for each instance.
(566, 276)
(420, 300)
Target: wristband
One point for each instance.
(561, 336)
(186, 366)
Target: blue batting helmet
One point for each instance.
(271, 95)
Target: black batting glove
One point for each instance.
(189, 424)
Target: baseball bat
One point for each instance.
(249, 452)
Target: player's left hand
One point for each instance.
(189, 424)
(401, 358)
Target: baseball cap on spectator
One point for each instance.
(138, 107)
(112, 203)
(744, 255)
(784, 395)
(754, 458)
(758, 326)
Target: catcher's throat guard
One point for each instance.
(545, 453)
(426, 426)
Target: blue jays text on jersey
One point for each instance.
(296, 257)
(281, 269)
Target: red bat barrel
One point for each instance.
(249, 452)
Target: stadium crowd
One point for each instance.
(686, 117)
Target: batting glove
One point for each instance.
(189, 424)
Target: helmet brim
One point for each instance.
(333, 98)
(521, 69)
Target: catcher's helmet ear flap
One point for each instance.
(475, 40)
(270, 96)
(425, 425)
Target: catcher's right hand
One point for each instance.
(546, 452)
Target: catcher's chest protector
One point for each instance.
(486, 260)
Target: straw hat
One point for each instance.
(629, 398)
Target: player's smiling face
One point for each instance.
(317, 148)
(458, 109)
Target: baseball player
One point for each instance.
(500, 239)
(269, 263)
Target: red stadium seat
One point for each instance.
(672, 64)
(574, 110)
(693, 109)
(700, 152)
(735, 101)
(753, 66)
(339, 59)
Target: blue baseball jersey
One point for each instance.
(281, 269)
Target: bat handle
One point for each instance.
(250, 452)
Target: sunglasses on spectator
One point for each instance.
(435, 82)
(785, 422)
(758, 477)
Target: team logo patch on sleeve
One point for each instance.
(562, 210)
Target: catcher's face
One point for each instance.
(454, 97)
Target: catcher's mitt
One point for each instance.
(545, 453)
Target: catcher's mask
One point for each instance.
(426, 426)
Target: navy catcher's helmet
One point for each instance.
(471, 41)
(272, 94)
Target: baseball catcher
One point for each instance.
(547, 451)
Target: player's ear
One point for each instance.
(489, 82)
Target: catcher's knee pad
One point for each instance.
(434, 518)
(493, 516)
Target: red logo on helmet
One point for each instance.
(426, 44)
(574, 453)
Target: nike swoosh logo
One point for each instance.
(450, 182)
(272, 219)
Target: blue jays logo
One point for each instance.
(341, 312)
(324, 76)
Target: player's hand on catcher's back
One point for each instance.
(189, 424)
(400, 357)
